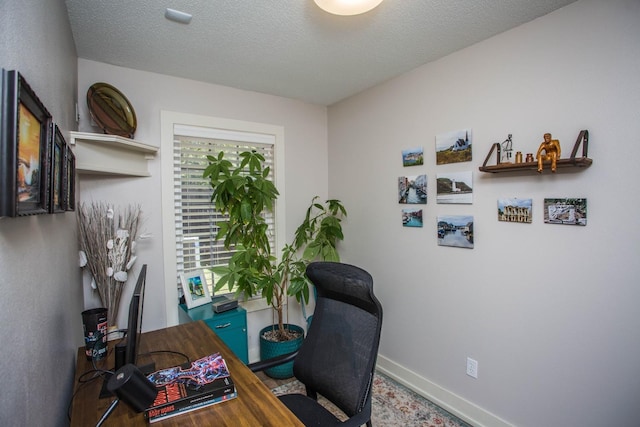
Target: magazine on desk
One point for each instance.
(188, 387)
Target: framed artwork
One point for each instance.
(70, 192)
(412, 189)
(413, 157)
(455, 230)
(58, 172)
(454, 187)
(565, 211)
(515, 210)
(195, 289)
(24, 149)
(412, 217)
(453, 147)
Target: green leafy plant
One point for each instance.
(245, 194)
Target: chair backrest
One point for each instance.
(338, 357)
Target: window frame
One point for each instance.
(219, 128)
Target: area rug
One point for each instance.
(393, 405)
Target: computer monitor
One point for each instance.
(127, 349)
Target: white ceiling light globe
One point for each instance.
(347, 7)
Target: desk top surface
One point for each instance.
(254, 406)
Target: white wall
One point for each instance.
(549, 311)
(40, 282)
(305, 135)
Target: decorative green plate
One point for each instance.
(111, 110)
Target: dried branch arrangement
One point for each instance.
(107, 249)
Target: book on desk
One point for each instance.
(189, 387)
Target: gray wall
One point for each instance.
(550, 312)
(40, 282)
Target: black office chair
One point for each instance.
(337, 358)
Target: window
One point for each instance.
(190, 228)
(196, 220)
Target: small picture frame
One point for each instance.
(412, 217)
(515, 210)
(25, 127)
(58, 178)
(568, 211)
(456, 231)
(412, 189)
(453, 147)
(195, 289)
(413, 157)
(454, 187)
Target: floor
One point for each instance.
(272, 382)
(393, 404)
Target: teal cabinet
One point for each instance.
(230, 326)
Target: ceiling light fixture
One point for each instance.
(177, 16)
(347, 7)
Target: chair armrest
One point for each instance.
(270, 363)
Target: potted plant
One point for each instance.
(245, 193)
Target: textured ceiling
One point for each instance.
(289, 48)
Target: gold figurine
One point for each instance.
(551, 148)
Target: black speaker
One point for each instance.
(132, 387)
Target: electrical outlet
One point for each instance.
(472, 367)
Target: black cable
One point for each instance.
(82, 384)
(177, 353)
(110, 349)
(98, 373)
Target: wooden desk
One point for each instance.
(254, 406)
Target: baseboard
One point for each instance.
(447, 400)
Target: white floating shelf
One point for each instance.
(104, 154)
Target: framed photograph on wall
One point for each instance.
(515, 210)
(412, 217)
(456, 231)
(412, 189)
(453, 147)
(24, 149)
(70, 192)
(568, 211)
(195, 289)
(413, 157)
(58, 172)
(454, 187)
